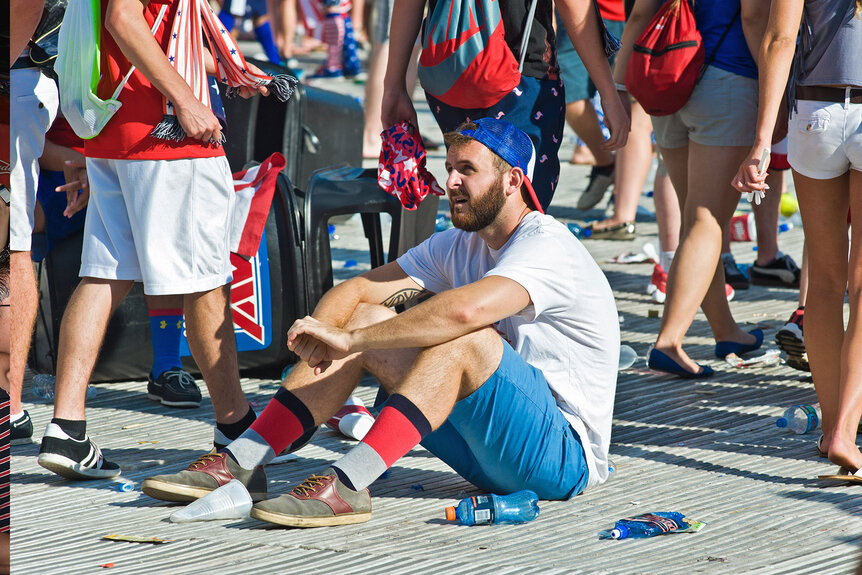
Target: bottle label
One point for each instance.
(811, 413)
(483, 510)
(665, 524)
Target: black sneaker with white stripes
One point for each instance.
(21, 430)
(73, 459)
(175, 388)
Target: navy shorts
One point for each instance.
(509, 435)
(538, 108)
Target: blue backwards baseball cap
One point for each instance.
(511, 144)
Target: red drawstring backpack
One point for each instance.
(667, 60)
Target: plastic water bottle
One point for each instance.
(800, 418)
(646, 525)
(230, 501)
(578, 231)
(442, 223)
(353, 419)
(518, 507)
(628, 356)
(42, 387)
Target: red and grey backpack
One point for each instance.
(465, 61)
(667, 60)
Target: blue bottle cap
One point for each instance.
(620, 532)
(782, 422)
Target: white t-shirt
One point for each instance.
(571, 329)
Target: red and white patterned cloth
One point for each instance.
(401, 170)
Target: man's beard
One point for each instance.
(483, 210)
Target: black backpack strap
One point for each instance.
(724, 34)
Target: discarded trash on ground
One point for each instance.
(650, 525)
(518, 507)
(230, 501)
(770, 357)
(283, 458)
(648, 253)
(136, 539)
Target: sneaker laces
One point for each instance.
(183, 378)
(308, 486)
(205, 460)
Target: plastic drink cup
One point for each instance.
(230, 501)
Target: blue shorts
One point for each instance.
(536, 107)
(510, 435)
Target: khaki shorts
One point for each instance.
(722, 111)
(162, 222)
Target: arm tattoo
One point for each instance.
(403, 296)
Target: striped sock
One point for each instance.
(282, 422)
(333, 35)
(398, 429)
(166, 327)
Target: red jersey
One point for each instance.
(612, 10)
(127, 134)
(62, 134)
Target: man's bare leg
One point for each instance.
(25, 302)
(81, 334)
(213, 345)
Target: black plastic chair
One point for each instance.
(338, 191)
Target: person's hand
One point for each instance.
(618, 121)
(751, 177)
(198, 121)
(76, 179)
(249, 91)
(397, 107)
(318, 343)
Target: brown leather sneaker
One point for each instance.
(319, 501)
(205, 474)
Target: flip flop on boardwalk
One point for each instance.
(845, 474)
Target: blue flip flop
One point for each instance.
(725, 348)
(660, 361)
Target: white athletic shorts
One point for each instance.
(34, 106)
(825, 139)
(162, 222)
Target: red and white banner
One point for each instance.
(254, 189)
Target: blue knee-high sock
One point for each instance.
(350, 55)
(266, 39)
(227, 19)
(166, 326)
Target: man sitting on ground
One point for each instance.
(507, 374)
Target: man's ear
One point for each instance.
(515, 180)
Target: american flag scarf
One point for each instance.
(194, 20)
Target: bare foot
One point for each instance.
(844, 452)
(583, 156)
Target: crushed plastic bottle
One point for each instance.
(518, 507)
(42, 387)
(800, 418)
(230, 501)
(646, 525)
(124, 486)
(628, 357)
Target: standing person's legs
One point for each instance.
(34, 104)
(632, 167)
(182, 244)
(823, 204)
(842, 447)
(168, 383)
(695, 278)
